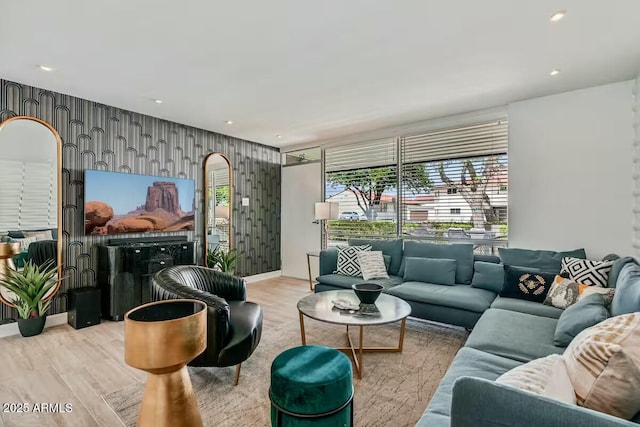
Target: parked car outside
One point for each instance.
(349, 215)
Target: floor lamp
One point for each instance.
(325, 211)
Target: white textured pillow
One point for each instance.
(348, 264)
(372, 265)
(603, 363)
(546, 376)
(25, 242)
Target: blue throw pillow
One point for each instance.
(488, 275)
(461, 252)
(550, 261)
(430, 270)
(526, 283)
(627, 296)
(587, 312)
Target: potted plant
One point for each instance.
(29, 287)
(224, 261)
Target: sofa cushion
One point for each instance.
(393, 248)
(468, 362)
(518, 336)
(617, 266)
(345, 282)
(587, 312)
(461, 252)
(488, 275)
(487, 258)
(627, 294)
(430, 270)
(524, 306)
(542, 260)
(526, 284)
(458, 296)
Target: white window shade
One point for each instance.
(28, 195)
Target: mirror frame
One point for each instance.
(59, 195)
(206, 201)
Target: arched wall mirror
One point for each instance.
(30, 196)
(217, 202)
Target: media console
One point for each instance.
(126, 268)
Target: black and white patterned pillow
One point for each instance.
(372, 265)
(587, 271)
(348, 264)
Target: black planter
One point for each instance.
(31, 327)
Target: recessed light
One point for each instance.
(229, 122)
(158, 101)
(554, 72)
(278, 136)
(558, 15)
(45, 68)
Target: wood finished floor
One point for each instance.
(64, 365)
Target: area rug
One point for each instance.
(395, 388)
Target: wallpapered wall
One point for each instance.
(636, 167)
(97, 136)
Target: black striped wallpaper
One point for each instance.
(98, 136)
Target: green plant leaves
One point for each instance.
(31, 285)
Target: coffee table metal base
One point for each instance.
(357, 352)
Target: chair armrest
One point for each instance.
(328, 261)
(482, 403)
(218, 313)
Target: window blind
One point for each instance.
(363, 180)
(466, 192)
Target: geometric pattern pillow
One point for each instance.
(563, 293)
(546, 376)
(603, 363)
(372, 265)
(348, 264)
(587, 271)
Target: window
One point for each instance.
(363, 178)
(422, 186)
(467, 167)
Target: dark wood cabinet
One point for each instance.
(125, 271)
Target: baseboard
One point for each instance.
(52, 320)
(263, 276)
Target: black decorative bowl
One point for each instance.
(367, 293)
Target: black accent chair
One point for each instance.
(234, 326)
(43, 251)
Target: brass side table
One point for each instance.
(161, 338)
(309, 255)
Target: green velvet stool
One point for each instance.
(311, 385)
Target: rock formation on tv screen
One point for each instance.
(160, 212)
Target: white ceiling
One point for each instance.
(315, 70)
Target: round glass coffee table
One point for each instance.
(387, 309)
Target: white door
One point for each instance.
(301, 189)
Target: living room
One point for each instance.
(260, 143)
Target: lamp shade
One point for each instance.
(326, 210)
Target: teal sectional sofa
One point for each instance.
(506, 333)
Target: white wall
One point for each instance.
(301, 188)
(570, 171)
(636, 168)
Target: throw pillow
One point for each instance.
(563, 293)
(603, 363)
(488, 275)
(585, 313)
(439, 271)
(348, 264)
(522, 283)
(40, 235)
(607, 293)
(546, 376)
(587, 271)
(372, 265)
(24, 243)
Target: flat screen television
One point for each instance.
(120, 203)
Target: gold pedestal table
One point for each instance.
(161, 338)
